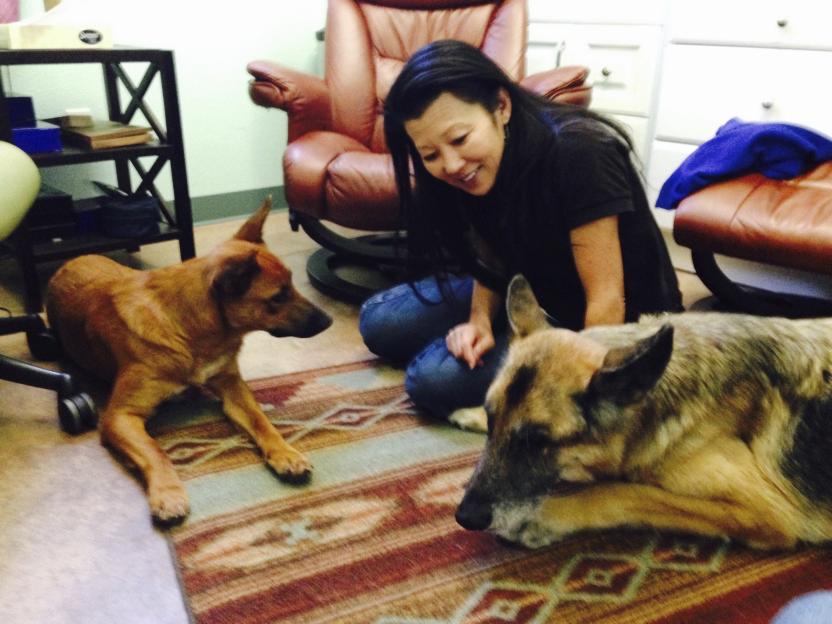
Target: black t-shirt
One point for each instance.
(593, 178)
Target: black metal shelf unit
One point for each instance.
(167, 150)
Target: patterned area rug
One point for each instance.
(372, 538)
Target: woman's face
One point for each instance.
(461, 143)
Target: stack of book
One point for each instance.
(104, 134)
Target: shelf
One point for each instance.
(158, 69)
(96, 243)
(75, 155)
(117, 54)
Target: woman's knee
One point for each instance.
(428, 390)
(374, 327)
(397, 323)
(439, 383)
(379, 323)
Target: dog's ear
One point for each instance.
(629, 371)
(252, 229)
(524, 313)
(232, 277)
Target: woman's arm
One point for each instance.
(470, 341)
(597, 252)
(485, 303)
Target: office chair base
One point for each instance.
(43, 344)
(76, 413)
(76, 410)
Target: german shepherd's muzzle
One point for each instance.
(708, 423)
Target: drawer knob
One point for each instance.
(605, 72)
(767, 104)
(782, 23)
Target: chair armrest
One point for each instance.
(304, 97)
(305, 168)
(561, 84)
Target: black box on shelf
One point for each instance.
(129, 217)
(51, 204)
(51, 215)
(88, 215)
(21, 110)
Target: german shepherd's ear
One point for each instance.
(232, 278)
(252, 229)
(629, 371)
(524, 313)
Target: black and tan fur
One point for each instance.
(154, 333)
(708, 423)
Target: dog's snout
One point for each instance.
(317, 322)
(311, 323)
(474, 512)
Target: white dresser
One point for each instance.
(759, 60)
(618, 41)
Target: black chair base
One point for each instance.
(76, 410)
(351, 280)
(733, 297)
(352, 269)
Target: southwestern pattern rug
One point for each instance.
(372, 537)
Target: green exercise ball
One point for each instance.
(19, 186)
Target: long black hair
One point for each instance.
(434, 213)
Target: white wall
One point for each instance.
(230, 144)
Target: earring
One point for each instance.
(506, 132)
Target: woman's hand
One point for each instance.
(470, 341)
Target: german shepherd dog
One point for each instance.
(155, 333)
(709, 423)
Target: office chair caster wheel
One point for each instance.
(43, 345)
(77, 413)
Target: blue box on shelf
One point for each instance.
(42, 137)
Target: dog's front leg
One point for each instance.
(604, 506)
(240, 406)
(134, 398)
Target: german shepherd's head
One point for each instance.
(253, 288)
(560, 410)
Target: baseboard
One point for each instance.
(235, 204)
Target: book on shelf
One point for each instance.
(104, 134)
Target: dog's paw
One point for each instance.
(521, 524)
(290, 465)
(470, 419)
(168, 503)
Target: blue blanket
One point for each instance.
(776, 150)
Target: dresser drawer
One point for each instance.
(775, 23)
(621, 60)
(702, 87)
(595, 11)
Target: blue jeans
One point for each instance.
(399, 327)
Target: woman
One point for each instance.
(506, 182)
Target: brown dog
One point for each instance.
(709, 423)
(155, 333)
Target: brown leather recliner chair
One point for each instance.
(336, 166)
